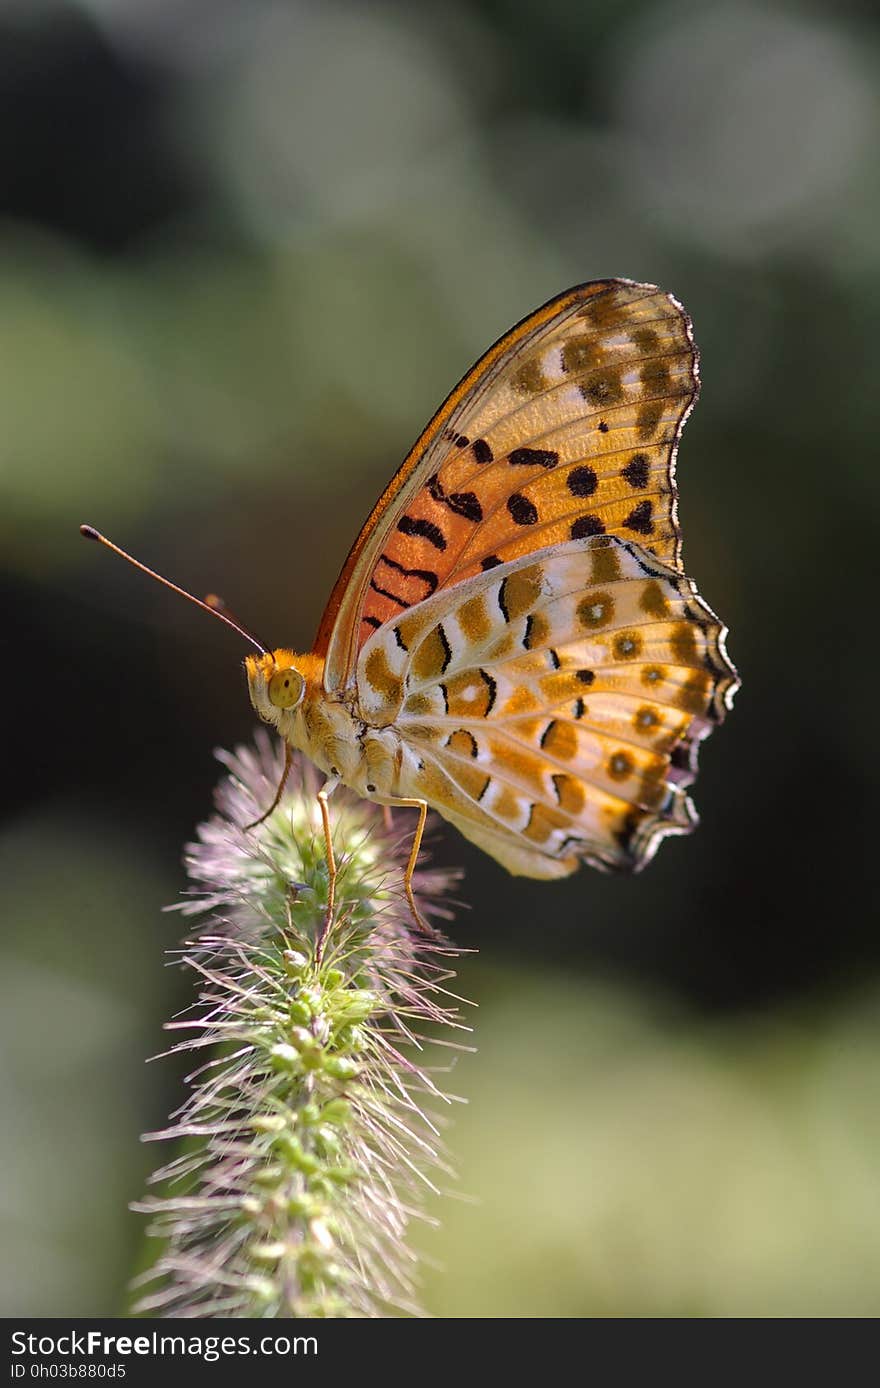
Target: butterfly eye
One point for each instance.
(286, 688)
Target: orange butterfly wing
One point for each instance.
(552, 708)
(567, 427)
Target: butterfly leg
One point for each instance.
(422, 807)
(324, 794)
(279, 792)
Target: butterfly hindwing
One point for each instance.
(551, 707)
(566, 428)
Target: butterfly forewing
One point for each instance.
(567, 428)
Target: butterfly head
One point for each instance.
(279, 682)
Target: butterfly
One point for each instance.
(512, 640)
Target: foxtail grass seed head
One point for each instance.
(310, 1128)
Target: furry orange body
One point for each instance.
(329, 729)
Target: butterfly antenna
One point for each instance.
(214, 605)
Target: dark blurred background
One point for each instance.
(245, 250)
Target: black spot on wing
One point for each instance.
(639, 519)
(465, 504)
(460, 440)
(522, 511)
(482, 451)
(582, 481)
(533, 457)
(422, 530)
(461, 503)
(585, 526)
(636, 471)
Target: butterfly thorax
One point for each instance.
(287, 691)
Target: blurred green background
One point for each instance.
(245, 250)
